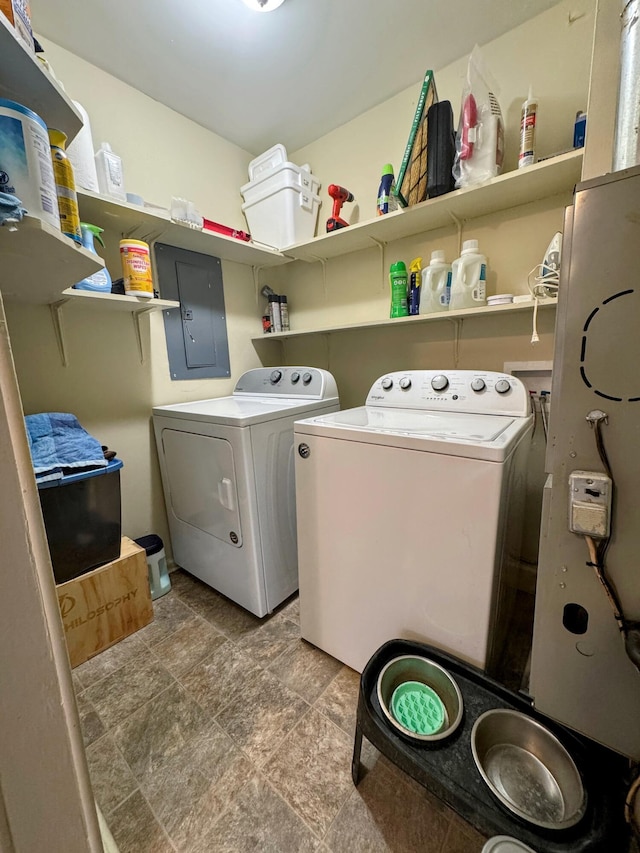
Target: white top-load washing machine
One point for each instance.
(228, 475)
(409, 515)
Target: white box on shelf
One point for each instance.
(281, 207)
(267, 162)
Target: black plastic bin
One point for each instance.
(82, 517)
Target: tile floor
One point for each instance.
(212, 731)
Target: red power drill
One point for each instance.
(339, 196)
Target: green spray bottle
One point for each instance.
(399, 282)
(99, 282)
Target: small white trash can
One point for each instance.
(159, 581)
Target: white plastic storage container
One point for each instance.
(468, 278)
(436, 285)
(281, 205)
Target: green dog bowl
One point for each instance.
(418, 708)
(419, 698)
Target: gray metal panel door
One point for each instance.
(580, 674)
(202, 483)
(196, 332)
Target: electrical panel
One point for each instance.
(196, 332)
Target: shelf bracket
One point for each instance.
(457, 334)
(327, 344)
(136, 316)
(140, 233)
(458, 223)
(381, 246)
(323, 262)
(58, 328)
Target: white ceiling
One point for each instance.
(290, 75)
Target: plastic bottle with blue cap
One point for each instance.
(99, 282)
(469, 278)
(436, 284)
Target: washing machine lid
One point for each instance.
(490, 437)
(242, 411)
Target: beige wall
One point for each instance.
(105, 384)
(551, 51)
(163, 153)
(112, 392)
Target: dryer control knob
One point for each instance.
(306, 378)
(275, 377)
(502, 386)
(295, 377)
(440, 383)
(387, 383)
(478, 385)
(405, 383)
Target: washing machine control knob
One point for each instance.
(387, 383)
(405, 383)
(295, 377)
(276, 376)
(440, 383)
(503, 386)
(306, 378)
(478, 385)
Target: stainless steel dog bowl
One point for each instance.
(410, 668)
(528, 769)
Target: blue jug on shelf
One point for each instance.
(99, 282)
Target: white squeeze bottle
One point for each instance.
(436, 284)
(109, 169)
(469, 278)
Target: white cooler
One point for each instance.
(281, 203)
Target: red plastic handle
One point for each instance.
(208, 225)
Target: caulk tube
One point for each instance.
(527, 155)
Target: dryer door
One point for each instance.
(202, 483)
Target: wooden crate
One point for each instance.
(106, 605)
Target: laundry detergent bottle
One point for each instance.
(436, 285)
(399, 283)
(99, 282)
(469, 278)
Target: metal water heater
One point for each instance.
(581, 674)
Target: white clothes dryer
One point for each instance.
(409, 515)
(228, 476)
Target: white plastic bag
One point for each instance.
(480, 135)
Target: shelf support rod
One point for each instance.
(136, 316)
(58, 328)
(458, 223)
(381, 247)
(327, 345)
(256, 281)
(457, 334)
(323, 262)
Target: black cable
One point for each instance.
(630, 630)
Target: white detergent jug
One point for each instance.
(469, 278)
(436, 285)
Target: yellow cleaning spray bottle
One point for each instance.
(65, 186)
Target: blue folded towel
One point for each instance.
(57, 441)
